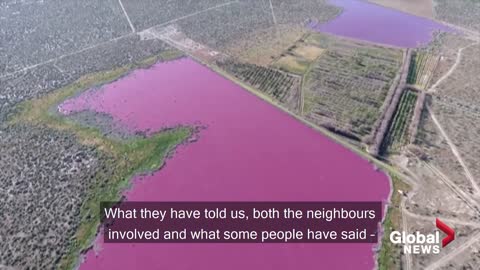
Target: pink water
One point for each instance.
(249, 151)
(374, 23)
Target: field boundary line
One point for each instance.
(65, 55)
(126, 15)
(27, 68)
(340, 140)
(195, 13)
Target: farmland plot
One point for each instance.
(397, 136)
(347, 86)
(421, 69)
(282, 86)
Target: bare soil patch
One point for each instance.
(422, 8)
(263, 46)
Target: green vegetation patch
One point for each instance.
(121, 159)
(298, 58)
(421, 68)
(291, 63)
(346, 86)
(273, 82)
(397, 136)
(389, 256)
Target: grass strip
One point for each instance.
(389, 256)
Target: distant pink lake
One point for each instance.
(374, 23)
(249, 151)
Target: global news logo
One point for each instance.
(419, 243)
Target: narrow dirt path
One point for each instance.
(408, 256)
(126, 16)
(273, 13)
(453, 68)
(474, 205)
(446, 258)
(455, 151)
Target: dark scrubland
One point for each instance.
(219, 27)
(148, 13)
(36, 31)
(422, 66)
(460, 12)
(222, 26)
(46, 176)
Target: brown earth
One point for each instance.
(422, 8)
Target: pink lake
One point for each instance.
(249, 151)
(366, 21)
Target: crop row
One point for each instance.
(275, 83)
(421, 69)
(417, 115)
(359, 64)
(415, 65)
(398, 132)
(347, 86)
